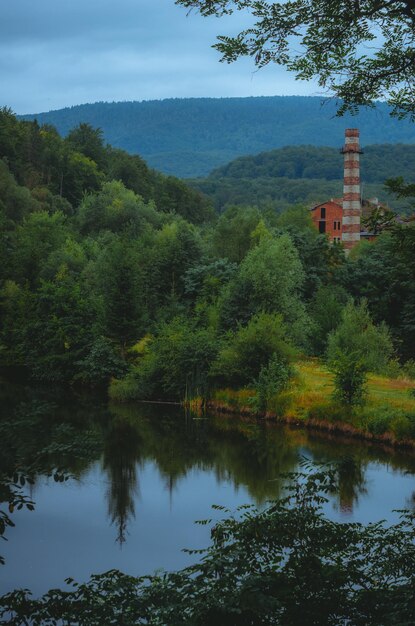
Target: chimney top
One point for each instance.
(352, 132)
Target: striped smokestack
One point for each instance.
(351, 190)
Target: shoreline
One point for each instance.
(336, 429)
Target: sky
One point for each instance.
(57, 53)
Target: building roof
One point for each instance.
(337, 201)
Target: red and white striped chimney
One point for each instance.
(351, 190)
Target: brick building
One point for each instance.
(340, 218)
(328, 218)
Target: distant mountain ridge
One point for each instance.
(190, 137)
(306, 175)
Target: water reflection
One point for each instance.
(120, 459)
(76, 434)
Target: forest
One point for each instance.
(157, 331)
(122, 280)
(189, 137)
(113, 275)
(307, 175)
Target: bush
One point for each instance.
(101, 364)
(251, 348)
(403, 426)
(349, 379)
(329, 411)
(400, 423)
(408, 369)
(356, 334)
(272, 380)
(174, 365)
(378, 420)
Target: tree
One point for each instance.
(275, 274)
(39, 235)
(115, 208)
(232, 235)
(247, 351)
(119, 279)
(357, 50)
(384, 273)
(350, 377)
(326, 311)
(173, 365)
(358, 337)
(89, 141)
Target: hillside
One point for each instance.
(306, 175)
(190, 137)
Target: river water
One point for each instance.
(141, 475)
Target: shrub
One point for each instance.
(356, 334)
(272, 380)
(378, 422)
(101, 363)
(330, 411)
(349, 379)
(400, 423)
(409, 369)
(174, 364)
(249, 349)
(403, 426)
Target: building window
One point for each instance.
(322, 227)
(323, 212)
(338, 225)
(335, 225)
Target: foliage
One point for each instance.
(350, 378)
(189, 137)
(89, 141)
(303, 174)
(359, 52)
(101, 364)
(250, 348)
(285, 564)
(326, 312)
(232, 237)
(115, 208)
(356, 335)
(273, 378)
(389, 261)
(174, 365)
(88, 267)
(275, 275)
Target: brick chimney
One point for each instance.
(351, 190)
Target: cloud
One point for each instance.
(60, 53)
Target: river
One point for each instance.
(139, 477)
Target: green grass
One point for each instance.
(388, 410)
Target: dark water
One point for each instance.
(141, 476)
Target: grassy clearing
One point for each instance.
(388, 412)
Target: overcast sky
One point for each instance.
(57, 53)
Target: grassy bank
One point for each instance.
(388, 413)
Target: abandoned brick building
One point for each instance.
(340, 218)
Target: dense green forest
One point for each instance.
(111, 273)
(191, 136)
(306, 174)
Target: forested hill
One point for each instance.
(192, 136)
(306, 175)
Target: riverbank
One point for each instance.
(387, 416)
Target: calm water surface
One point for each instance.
(141, 475)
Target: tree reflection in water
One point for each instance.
(72, 432)
(120, 459)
